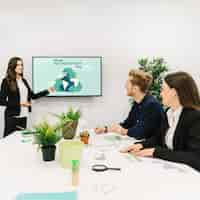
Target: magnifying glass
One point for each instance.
(102, 168)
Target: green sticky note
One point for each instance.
(75, 164)
(25, 141)
(28, 132)
(48, 196)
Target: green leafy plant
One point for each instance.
(70, 116)
(157, 67)
(68, 122)
(46, 134)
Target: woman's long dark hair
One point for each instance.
(186, 89)
(11, 74)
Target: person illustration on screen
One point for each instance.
(16, 95)
(68, 82)
(146, 112)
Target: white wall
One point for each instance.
(120, 31)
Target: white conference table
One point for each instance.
(22, 170)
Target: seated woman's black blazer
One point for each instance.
(186, 141)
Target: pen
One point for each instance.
(136, 157)
(19, 127)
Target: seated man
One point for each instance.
(146, 113)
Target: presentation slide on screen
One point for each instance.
(70, 76)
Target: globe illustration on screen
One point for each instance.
(68, 81)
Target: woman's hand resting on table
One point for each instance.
(133, 148)
(137, 150)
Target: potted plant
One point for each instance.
(46, 137)
(68, 122)
(84, 136)
(157, 67)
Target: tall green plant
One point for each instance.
(46, 134)
(157, 67)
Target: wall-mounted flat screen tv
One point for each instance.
(70, 76)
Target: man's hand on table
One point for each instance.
(99, 130)
(116, 128)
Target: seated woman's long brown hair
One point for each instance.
(186, 89)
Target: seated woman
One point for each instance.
(178, 138)
(146, 112)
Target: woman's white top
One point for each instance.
(23, 91)
(173, 119)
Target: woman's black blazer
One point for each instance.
(186, 141)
